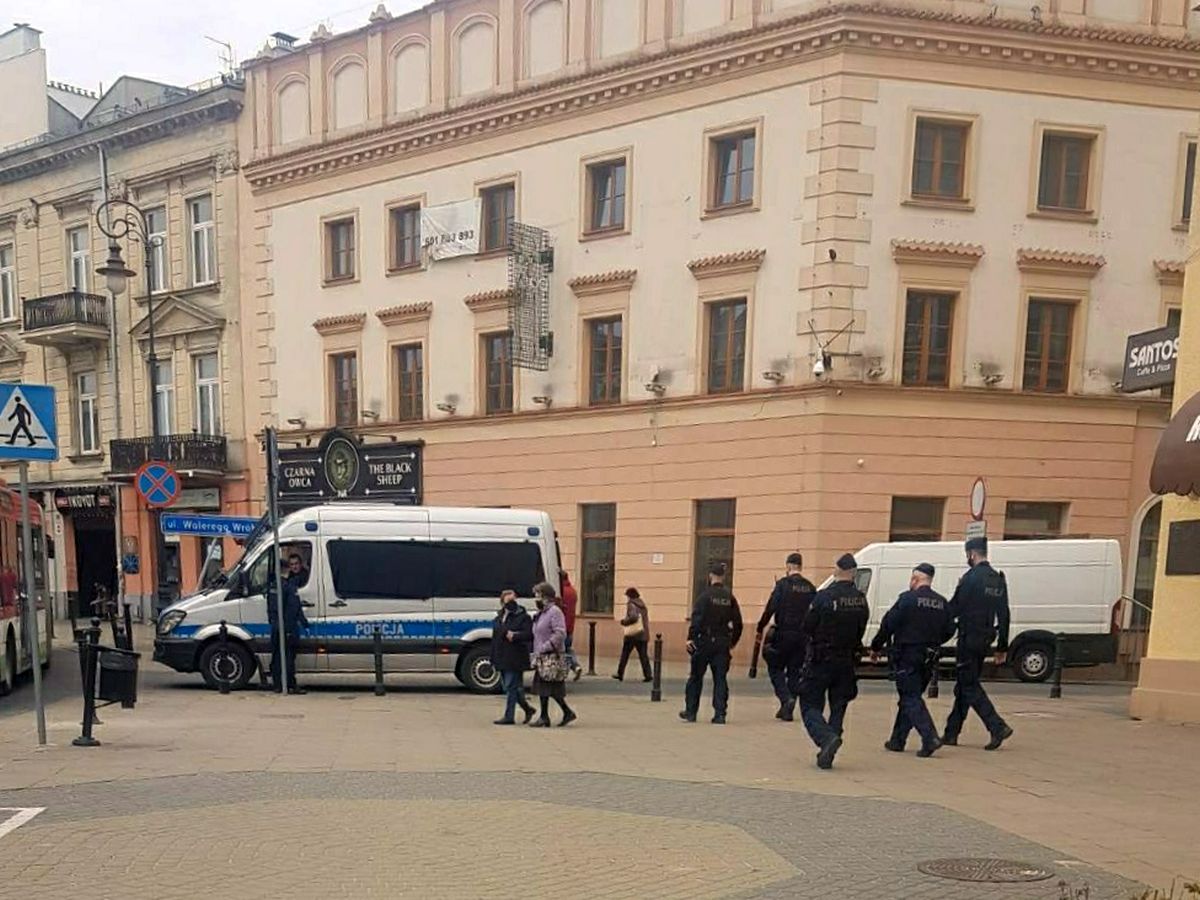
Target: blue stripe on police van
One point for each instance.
(416, 629)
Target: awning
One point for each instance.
(1176, 468)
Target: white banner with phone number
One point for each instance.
(451, 229)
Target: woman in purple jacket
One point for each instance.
(549, 656)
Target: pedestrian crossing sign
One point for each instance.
(28, 427)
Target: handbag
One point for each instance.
(550, 667)
(633, 630)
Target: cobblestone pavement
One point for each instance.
(497, 835)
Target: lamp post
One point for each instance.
(119, 218)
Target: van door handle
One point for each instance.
(336, 603)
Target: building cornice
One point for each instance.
(603, 282)
(937, 252)
(488, 301)
(1169, 271)
(727, 263)
(405, 313)
(873, 27)
(1059, 261)
(340, 324)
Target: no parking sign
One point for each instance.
(158, 484)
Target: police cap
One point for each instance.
(795, 559)
(846, 562)
(978, 544)
(924, 569)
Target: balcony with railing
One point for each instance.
(188, 454)
(65, 320)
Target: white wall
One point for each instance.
(24, 112)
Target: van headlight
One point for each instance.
(168, 621)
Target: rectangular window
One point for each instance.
(8, 282)
(606, 196)
(498, 373)
(715, 520)
(1048, 346)
(208, 394)
(339, 250)
(604, 361)
(164, 395)
(726, 346)
(410, 387)
(81, 269)
(927, 320)
(406, 236)
(940, 159)
(598, 553)
(1028, 521)
(1174, 317)
(343, 375)
(732, 170)
(1063, 180)
(917, 518)
(204, 240)
(1189, 182)
(416, 570)
(89, 412)
(499, 213)
(156, 231)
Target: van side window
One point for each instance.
(392, 570)
(485, 568)
(256, 578)
(862, 579)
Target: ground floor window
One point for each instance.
(715, 520)
(1030, 521)
(917, 518)
(598, 553)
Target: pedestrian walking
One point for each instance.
(980, 610)
(294, 621)
(570, 604)
(913, 631)
(785, 646)
(636, 626)
(714, 630)
(512, 643)
(835, 624)
(549, 657)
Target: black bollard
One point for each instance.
(91, 654)
(377, 640)
(591, 648)
(933, 679)
(656, 687)
(224, 643)
(128, 617)
(1056, 684)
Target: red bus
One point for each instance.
(15, 658)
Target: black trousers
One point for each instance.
(627, 647)
(785, 663)
(970, 695)
(832, 679)
(913, 667)
(712, 655)
(290, 642)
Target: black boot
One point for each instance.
(998, 738)
(828, 751)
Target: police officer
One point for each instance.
(916, 627)
(715, 628)
(835, 624)
(293, 620)
(980, 609)
(787, 645)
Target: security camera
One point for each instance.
(819, 366)
(655, 388)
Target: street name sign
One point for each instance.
(208, 526)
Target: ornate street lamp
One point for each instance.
(120, 219)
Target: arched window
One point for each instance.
(410, 78)
(1146, 566)
(291, 111)
(545, 39)
(349, 95)
(476, 58)
(617, 26)
(699, 15)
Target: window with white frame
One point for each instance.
(156, 231)
(204, 245)
(89, 412)
(8, 282)
(77, 243)
(208, 394)
(164, 395)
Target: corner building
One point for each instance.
(960, 212)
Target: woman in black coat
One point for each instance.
(512, 642)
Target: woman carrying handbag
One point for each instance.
(636, 626)
(549, 657)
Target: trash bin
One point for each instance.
(118, 676)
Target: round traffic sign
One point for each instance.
(978, 499)
(157, 484)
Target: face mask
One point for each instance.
(541, 604)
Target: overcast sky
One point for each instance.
(88, 42)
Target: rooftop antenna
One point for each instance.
(227, 57)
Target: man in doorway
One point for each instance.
(716, 627)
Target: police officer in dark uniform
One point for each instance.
(715, 628)
(835, 624)
(980, 609)
(293, 620)
(915, 627)
(786, 646)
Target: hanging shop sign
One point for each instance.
(340, 468)
(83, 500)
(1150, 359)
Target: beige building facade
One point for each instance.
(955, 213)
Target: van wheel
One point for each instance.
(1033, 662)
(8, 680)
(476, 671)
(230, 664)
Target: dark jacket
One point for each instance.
(836, 622)
(512, 656)
(788, 603)
(919, 618)
(635, 608)
(293, 612)
(980, 608)
(716, 617)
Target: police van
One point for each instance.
(427, 578)
(1067, 587)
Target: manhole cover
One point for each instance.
(983, 869)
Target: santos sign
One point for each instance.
(1150, 359)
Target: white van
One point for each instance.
(428, 578)
(1063, 587)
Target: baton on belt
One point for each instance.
(758, 639)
